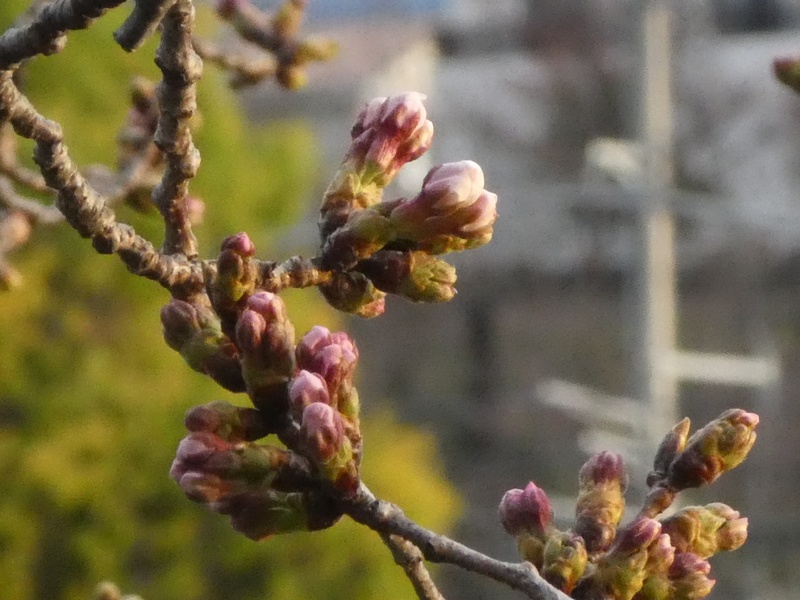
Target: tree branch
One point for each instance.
(178, 101)
(409, 557)
(85, 209)
(387, 518)
(47, 33)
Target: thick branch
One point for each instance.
(387, 518)
(177, 98)
(47, 33)
(409, 557)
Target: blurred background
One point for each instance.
(645, 267)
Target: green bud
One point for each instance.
(417, 276)
(564, 561)
(365, 232)
(706, 530)
(716, 448)
(669, 449)
(196, 333)
(601, 501)
(353, 293)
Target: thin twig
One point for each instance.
(177, 97)
(244, 71)
(387, 518)
(409, 557)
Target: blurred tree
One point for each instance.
(92, 399)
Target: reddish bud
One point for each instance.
(601, 502)
(526, 511)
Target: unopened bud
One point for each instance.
(526, 511)
(669, 449)
(229, 422)
(706, 530)
(565, 561)
(265, 337)
(660, 556)
(689, 577)
(621, 572)
(306, 388)
(716, 448)
(196, 333)
(326, 443)
(452, 212)
(353, 293)
(601, 500)
(417, 276)
(365, 232)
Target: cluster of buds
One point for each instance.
(303, 392)
(376, 247)
(652, 557)
(277, 34)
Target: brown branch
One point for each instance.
(243, 70)
(178, 101)
(86, 210)
(47, 33)
(387, 518)
(142, 23)
(409, 558)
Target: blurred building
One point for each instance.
(524, 88)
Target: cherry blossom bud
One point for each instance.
(621, 572)
(669, 449)
(564, 561)
(387, 134)
(601, 501)
(195, 332)
(706, 530)
(226, 421)
(365, 232)
(235, 280)
(660, 555)
(716, 448)
(306, 388)
(325, 441)
(526, 510)
(417, 276)
(452, 212)
(353, 293)
(265, 337)
(689, 577)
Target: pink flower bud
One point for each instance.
(318, 337)
(706, 530)
(388, 133)
(452, 212)
(526, 511)
(322, 431)
(636, 536)
(240, 243)
(306, 388)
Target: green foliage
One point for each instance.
(92, 400)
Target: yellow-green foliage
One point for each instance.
(92, 400)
